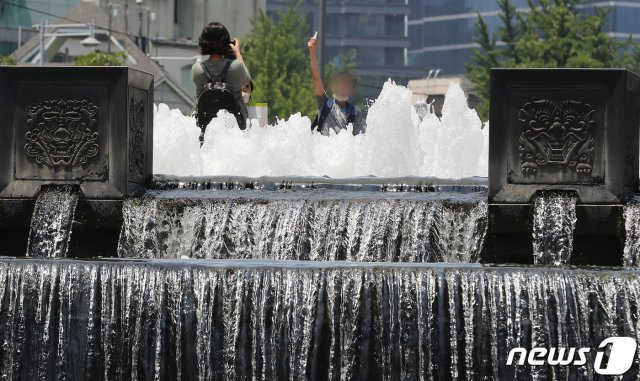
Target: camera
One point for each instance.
(230, 55)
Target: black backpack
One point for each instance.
(216, 96)
(324, 112)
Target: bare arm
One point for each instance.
(318, 87)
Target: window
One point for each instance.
(185, 80)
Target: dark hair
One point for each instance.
(214, 39)
(345, 75)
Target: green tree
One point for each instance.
(553, 34)
(7, 60)
(344, 63)
(97, 58)
(275, 53)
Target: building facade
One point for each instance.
(441, 32)
(375, 29)
(171, 26)
(171, 20)
(65, 40)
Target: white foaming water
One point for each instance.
(396, 143)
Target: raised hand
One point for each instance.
(313, 42)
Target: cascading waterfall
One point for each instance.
(306, 225)
(52, 220)
(294, 320)
(554, 220)
(276, 253)
(311, 278)
(632, 227)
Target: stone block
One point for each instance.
(564, 129)
(90, 126)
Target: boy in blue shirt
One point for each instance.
(334, 113)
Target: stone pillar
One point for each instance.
(562, 129)
(86, 126)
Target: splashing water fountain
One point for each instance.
(396, 144)
(274, 253)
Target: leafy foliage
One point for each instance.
(8, 60)
(553, 34)
(275, 55)
(97, 58)
(344, 63)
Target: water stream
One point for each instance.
(52, 220)
(554, 220)
(292, 320)
(632, 227)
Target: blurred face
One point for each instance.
(343, 86)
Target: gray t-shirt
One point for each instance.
(237, 77)
(337, 118)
